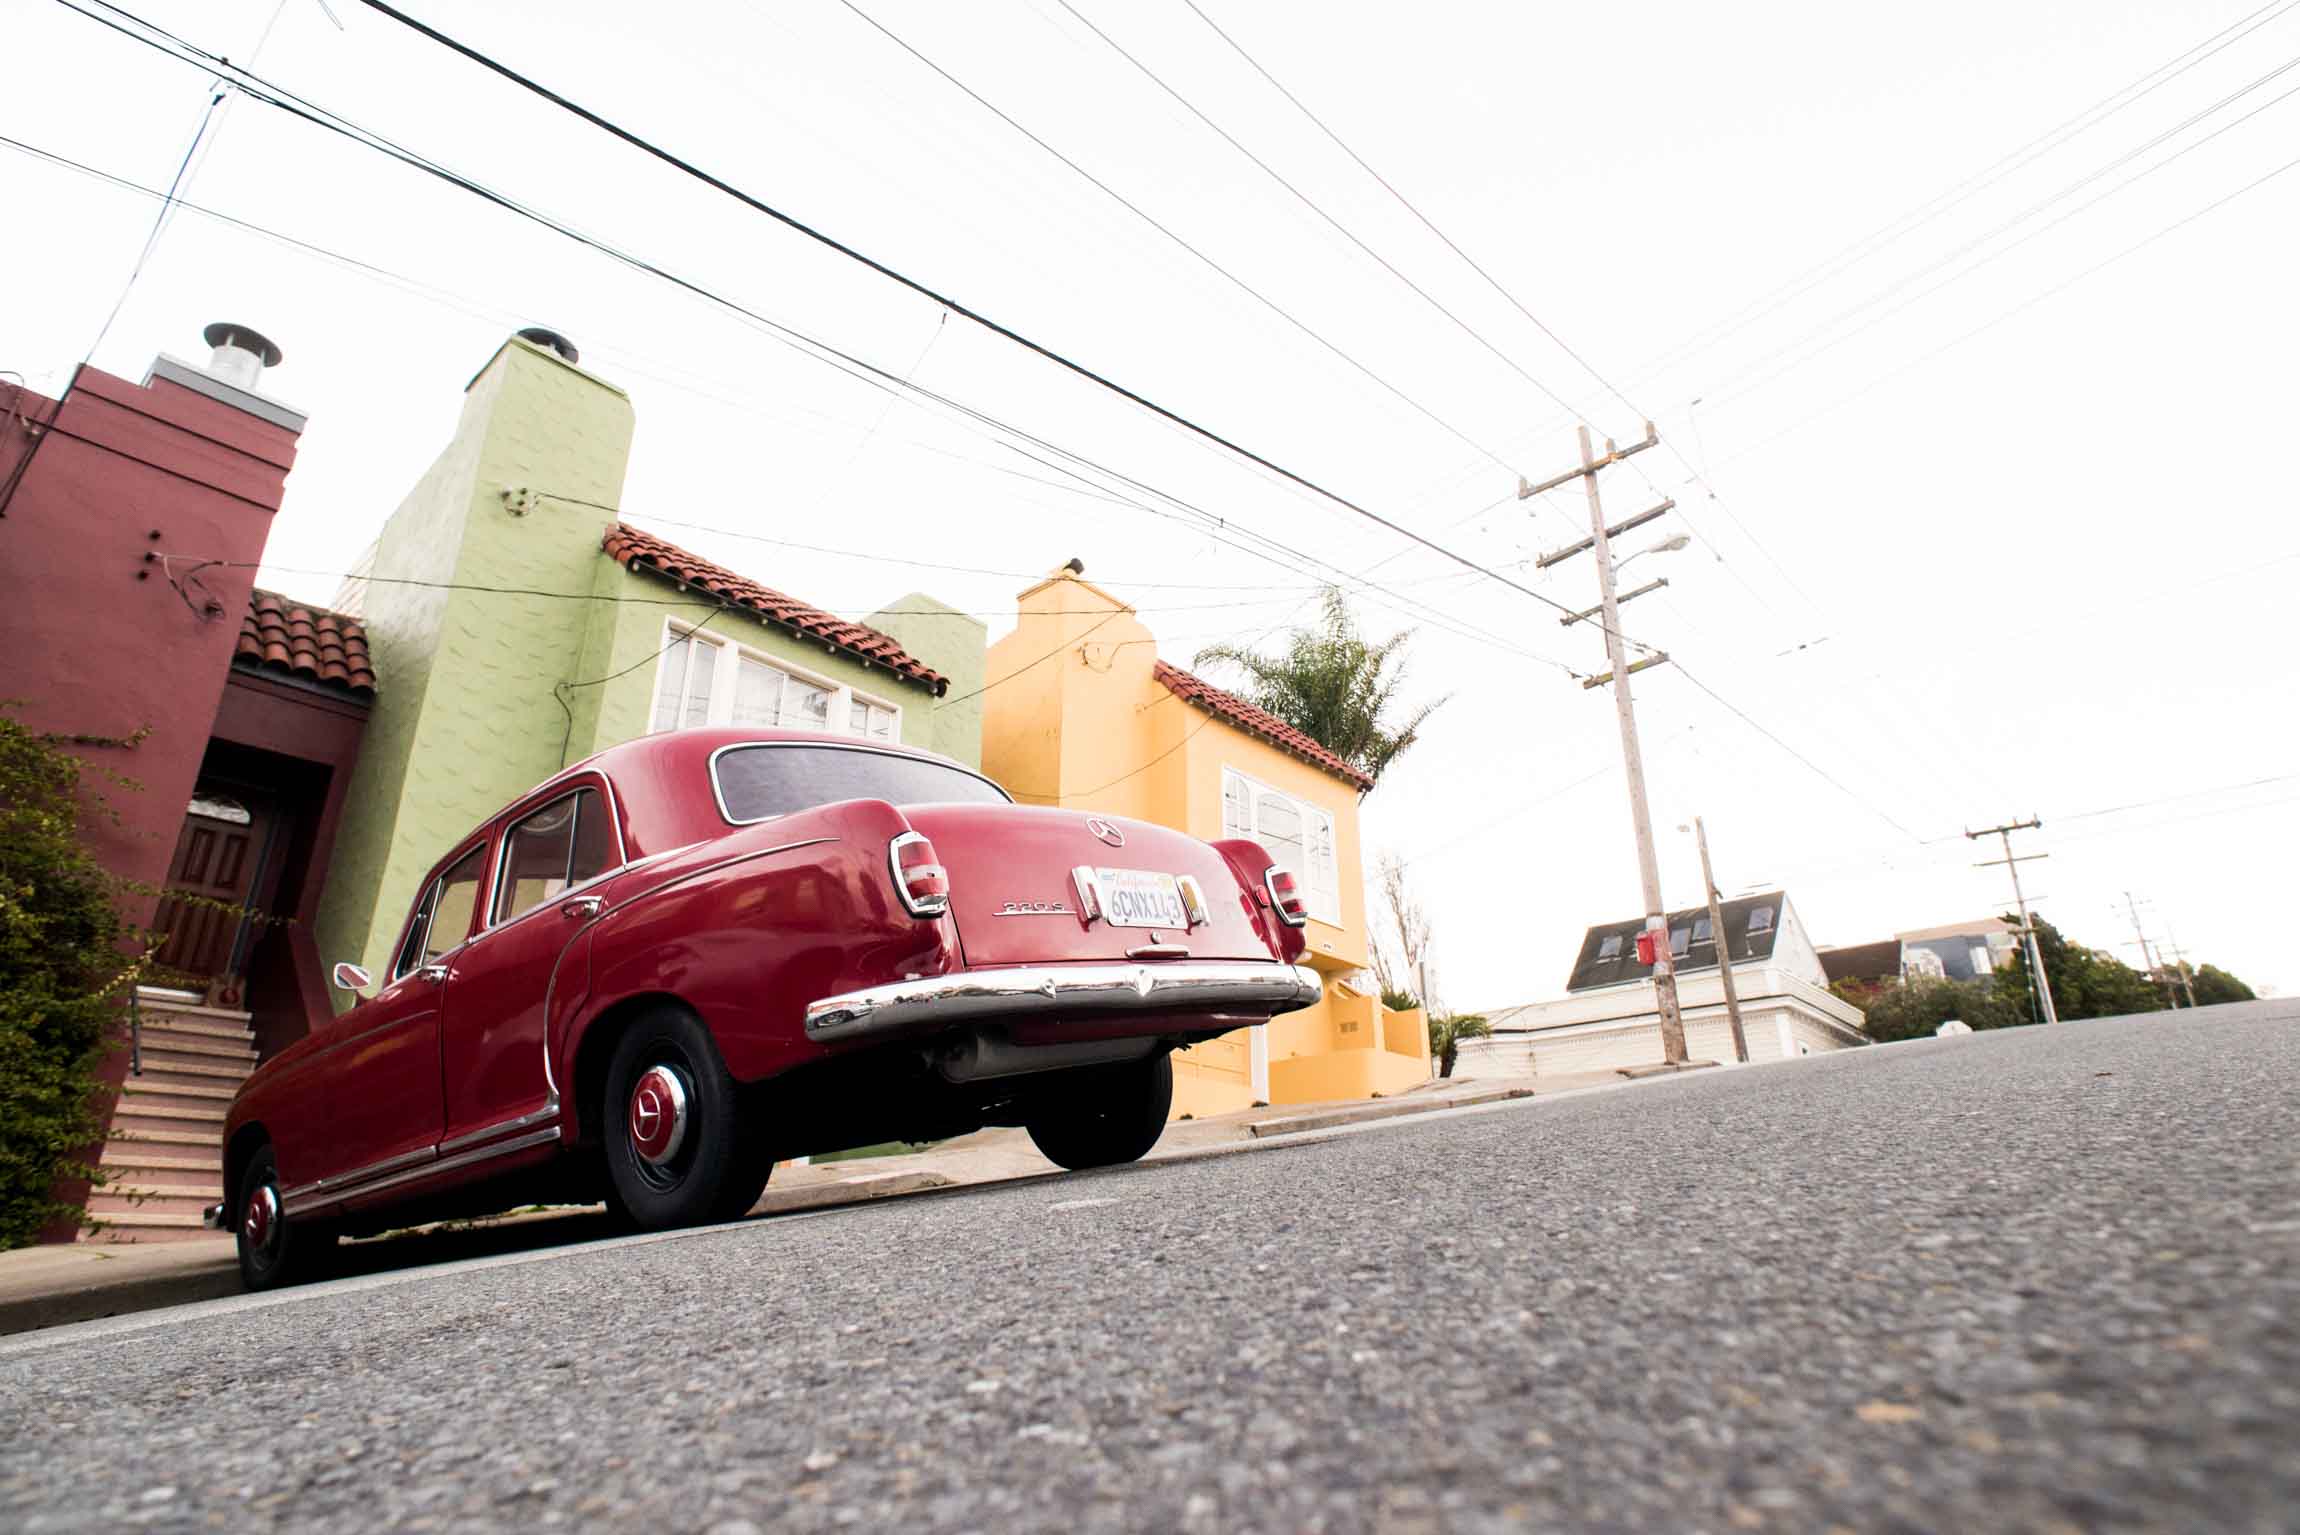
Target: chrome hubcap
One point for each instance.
(658, 1116)
(262, 1218)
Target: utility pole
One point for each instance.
(2027, 928)
(2154, 962)
(1724, 949)
(1609, 606)
(2180, 959)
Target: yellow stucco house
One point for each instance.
(1086, 716)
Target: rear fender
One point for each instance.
(747, 929)
(1251, 862)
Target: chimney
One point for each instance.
(241, 354)
(551, 341)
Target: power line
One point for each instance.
(1810, 765)
(1843, 400)
(1404, 202)
(1902, 282)
(198, 563)
(23, 466)
(1308, 202)
(807, 345)
(1516, 303)
(719, 184)
(277, 97)
(1923, 213)
(1148, 218)
(2168, 799)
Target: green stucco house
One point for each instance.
(519, 623)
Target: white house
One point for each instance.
(1607, 1020)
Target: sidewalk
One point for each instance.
(76, 1282)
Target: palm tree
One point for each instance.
(1334, 686)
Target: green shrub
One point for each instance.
(61, 974)
(1912, 1009)
(2213, 984)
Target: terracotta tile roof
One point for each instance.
(281, 635)
(1229, 706)
(637, 550)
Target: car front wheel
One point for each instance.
(1105, 1116)
(274, 1250)
(679, 1151)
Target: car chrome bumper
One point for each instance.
(1211, 986)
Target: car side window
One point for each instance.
(411, 951)
(451, 907)
(565, 843)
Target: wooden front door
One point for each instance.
(219, 859)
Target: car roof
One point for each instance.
(662, 780)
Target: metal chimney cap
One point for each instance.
(246, 338)
(549, 339)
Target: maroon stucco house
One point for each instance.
(134, 518)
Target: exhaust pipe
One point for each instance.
(985, 1055)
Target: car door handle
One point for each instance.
(583, 906)
(435, 974)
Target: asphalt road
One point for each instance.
(2046, 1279)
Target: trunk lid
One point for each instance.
(1015, 901)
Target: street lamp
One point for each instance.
(1666, 546)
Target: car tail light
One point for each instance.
(1286, 896)
(919, 877)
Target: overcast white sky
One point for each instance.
(2044, 569)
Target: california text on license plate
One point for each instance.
(1137, 898)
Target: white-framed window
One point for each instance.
(705, 679)
(1297, 835)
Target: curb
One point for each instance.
(90, 1302)
(1328, 1119)
(850, 1191)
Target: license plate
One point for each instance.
(1138, 898)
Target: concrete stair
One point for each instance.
(163, 1158)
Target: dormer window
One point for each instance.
(1609, 947)
(1760, 921)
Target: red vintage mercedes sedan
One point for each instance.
(673, 964)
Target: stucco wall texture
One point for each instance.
(465, 715)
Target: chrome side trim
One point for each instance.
(443, 1165)
(358, 1175)
(550, 1110)
(1214, 986)
(837, 746)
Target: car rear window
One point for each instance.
(758, 782)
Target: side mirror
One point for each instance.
(349, 977)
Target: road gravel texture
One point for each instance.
(2042, 1280)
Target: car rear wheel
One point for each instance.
(1105, 1116)
(274, 1250)
(680, 1151)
